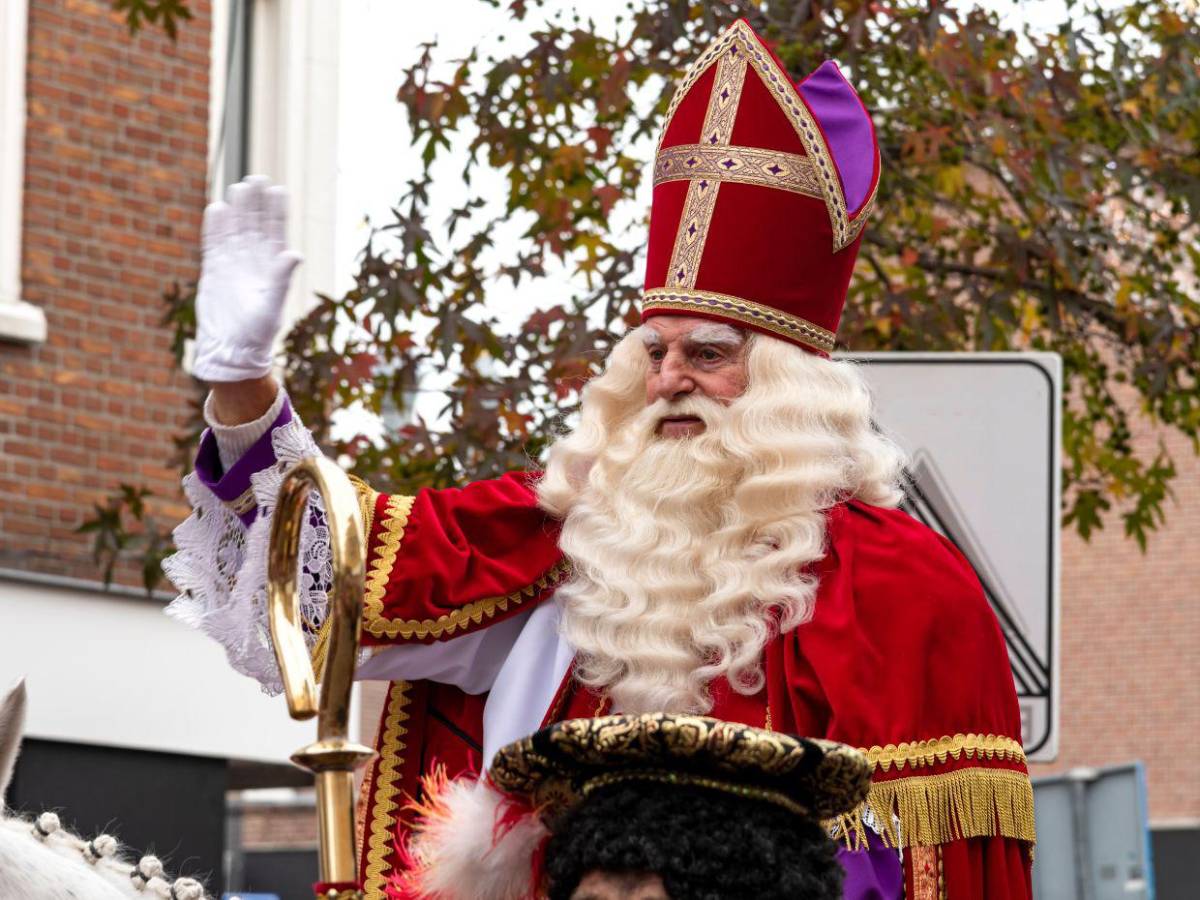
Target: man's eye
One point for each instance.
(709, 355)
(657, 355)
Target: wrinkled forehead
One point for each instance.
(664, 330)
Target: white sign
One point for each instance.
(983, 434)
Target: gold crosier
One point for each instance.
(333, 757)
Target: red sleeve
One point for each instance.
(445, 562)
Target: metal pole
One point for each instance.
(1085, 886)
(333, 757)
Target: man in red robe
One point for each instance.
(718, 535)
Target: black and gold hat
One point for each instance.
(559, 766)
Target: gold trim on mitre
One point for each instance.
(792, 172)
(747, 312)
(742, 39)
(701, 202)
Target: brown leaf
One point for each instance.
(601, 137)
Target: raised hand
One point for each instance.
(244, 279)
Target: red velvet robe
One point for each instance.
(903, 659)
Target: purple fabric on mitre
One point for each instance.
(847, 128)
(229, 486)
(874, 874)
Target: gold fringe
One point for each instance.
(937, 809)
(938, 750)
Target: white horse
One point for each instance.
(40, 860)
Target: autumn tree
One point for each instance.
(1039, 191)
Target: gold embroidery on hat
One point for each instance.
(748, 312)
(683, 778)
(702, 191)
(745, 165)
(787, 97)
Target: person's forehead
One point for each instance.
(693, 329)
(601, 885)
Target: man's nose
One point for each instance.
(675, 379)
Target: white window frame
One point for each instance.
(293, 124)
(19, 321)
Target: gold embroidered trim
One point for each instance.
(937, 809)
(927, 873)
(791, 327)
(367, 496)
(788, 99)
(391, 533)
(395, 518)
(693, 232)
(938, 750)
(715, 784)
(701, 200)
(381, 829)
(242, 503)
(724, 100)
(743, 165)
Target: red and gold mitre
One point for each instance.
(761, 191)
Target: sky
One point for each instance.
(379, 39)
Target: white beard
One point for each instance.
(689, 554)
(673, 583)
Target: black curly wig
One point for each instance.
(704, 844)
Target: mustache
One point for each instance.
(709, 411)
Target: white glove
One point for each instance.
(244, 276)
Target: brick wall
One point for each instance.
(1130, 639)
(266, 828)
(116, 146)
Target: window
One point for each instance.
(19, 321)
(229, 132)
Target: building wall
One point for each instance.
(1130, 639)
(114, 190)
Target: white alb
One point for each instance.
(220, 566)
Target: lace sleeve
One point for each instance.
(220, 567)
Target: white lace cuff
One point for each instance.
(220, 567)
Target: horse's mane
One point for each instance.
(145, 878)
(41, 860)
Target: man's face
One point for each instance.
(597, 885)
(691, 356)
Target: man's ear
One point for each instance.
(12, 726)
